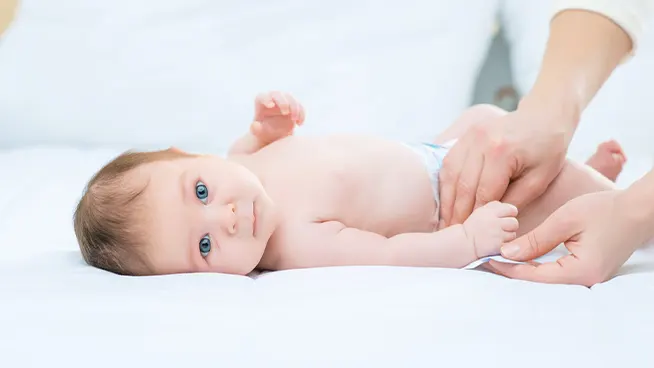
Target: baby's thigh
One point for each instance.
(473, 115)
(574, 180)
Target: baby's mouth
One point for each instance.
(246, 219)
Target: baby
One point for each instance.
(282, 202)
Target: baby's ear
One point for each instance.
(175, 150)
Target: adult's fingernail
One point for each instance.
(510, 250)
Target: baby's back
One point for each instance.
(363, 182)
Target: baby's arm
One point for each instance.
(276, 115)
(246, 145)
(333, 244)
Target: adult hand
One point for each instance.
(598, 230)
(512, 158)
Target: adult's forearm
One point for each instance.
(583, 49)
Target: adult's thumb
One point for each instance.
(541, 240)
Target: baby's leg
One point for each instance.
(609, 159)
(574, 179)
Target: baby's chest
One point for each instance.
(316, 189)
(381, 198)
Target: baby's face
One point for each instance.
(204, 214)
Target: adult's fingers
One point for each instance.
(448, 178)
(525, 189)
(466, 187)
(564, 271)
(556, 229)
(493, 181)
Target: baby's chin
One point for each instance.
(267, 216)
(244, 270)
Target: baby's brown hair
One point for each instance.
(106, 217)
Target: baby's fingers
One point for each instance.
(503, 209)
(509, 224)
(257, 129)
(266, 100)
(282, 102)
(295, 108)
(266, 132)
(300, 119)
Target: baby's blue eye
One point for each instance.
(205, 245)
(201, 191)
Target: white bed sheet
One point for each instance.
(54, 309)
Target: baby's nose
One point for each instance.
(238, 218)
(230, 218)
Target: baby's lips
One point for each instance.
(244, 207)
(245, 217)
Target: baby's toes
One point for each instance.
(509, 224)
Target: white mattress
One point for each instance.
(184, 72)
(54, 309)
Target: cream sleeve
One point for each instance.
(631, 15)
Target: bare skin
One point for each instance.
(608, 160)
(574, 179)
(328, 201)
(515, 158)
(601, 230)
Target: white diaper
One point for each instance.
(432, 156)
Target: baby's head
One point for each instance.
(164, 212)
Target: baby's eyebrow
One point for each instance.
(191, 256)
(183, 186)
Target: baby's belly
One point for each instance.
(400, 198)
(414, 211)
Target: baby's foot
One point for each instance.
(609, 159)
(490, 226)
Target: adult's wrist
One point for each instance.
(582, 51)
(560, 111)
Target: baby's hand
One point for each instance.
(275, 116)
(490, 226)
